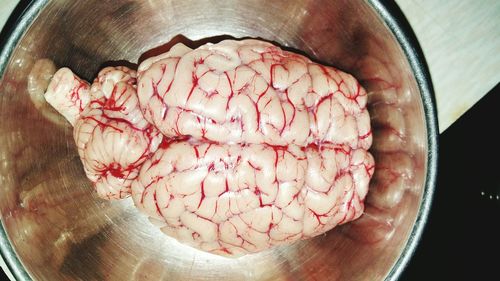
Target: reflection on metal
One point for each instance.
(60, 230)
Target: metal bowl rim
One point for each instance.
(401, 29)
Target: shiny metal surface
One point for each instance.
(60, 230)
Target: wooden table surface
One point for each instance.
(461, 43)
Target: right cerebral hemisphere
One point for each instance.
(263, 147)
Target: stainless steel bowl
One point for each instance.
(55, 228)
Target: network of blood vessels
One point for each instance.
(231, 148)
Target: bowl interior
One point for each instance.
(62, 231)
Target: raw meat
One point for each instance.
(250, 91)
(258, 146)
(276, 147)
(68, 94)
(112, 137)
(235, 199)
